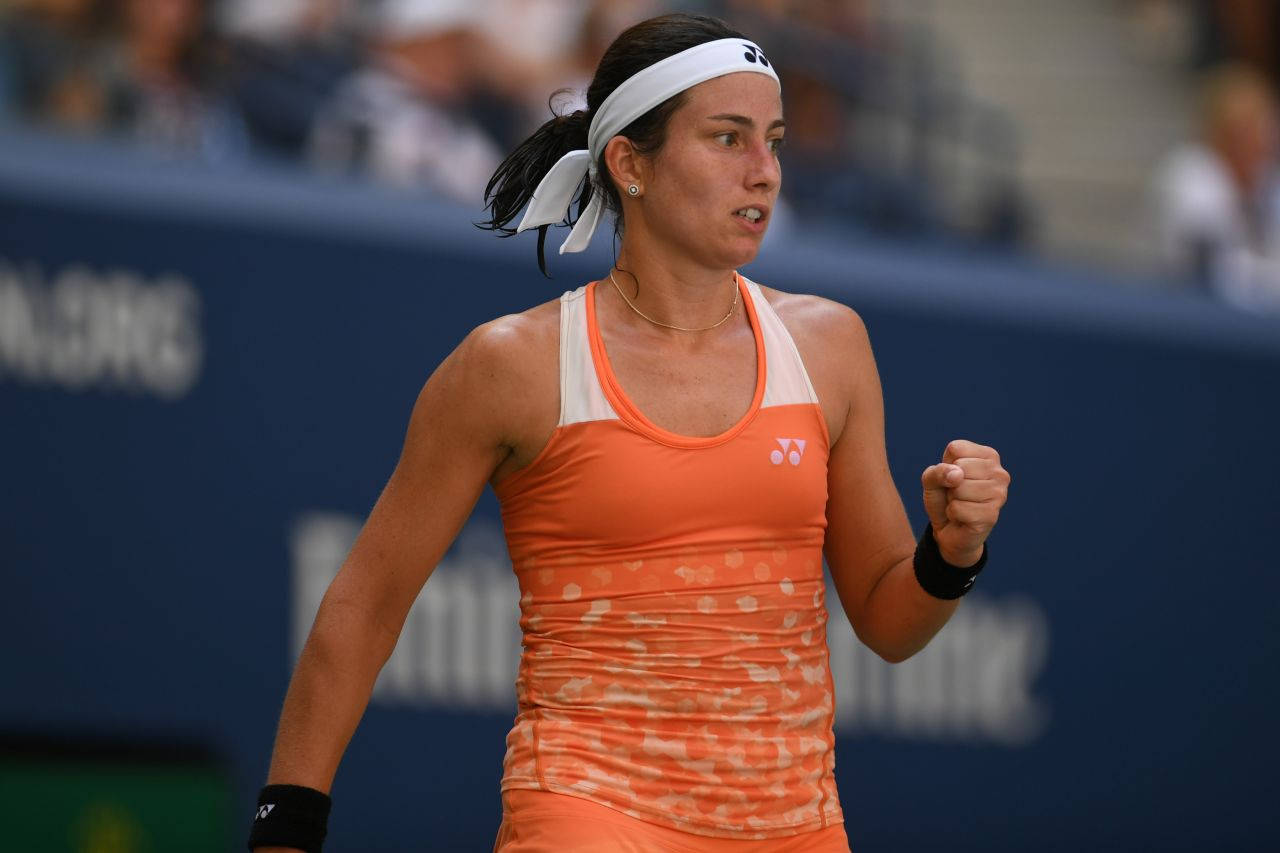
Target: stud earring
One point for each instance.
(633, 191)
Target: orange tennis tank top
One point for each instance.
(675, 661)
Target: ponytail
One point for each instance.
(512, 185)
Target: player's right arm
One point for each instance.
(467, 420)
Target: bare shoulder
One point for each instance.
(824, 320)
(510, 367)
(513, 360)
(512, 346)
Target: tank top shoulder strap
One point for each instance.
(786, 381)
(581, 397)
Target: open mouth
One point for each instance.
(751, 214)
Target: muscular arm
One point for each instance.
(869, 544)
(459, 433)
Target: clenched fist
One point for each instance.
(962, 495)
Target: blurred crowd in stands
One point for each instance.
(1218, 195)
(432, 93)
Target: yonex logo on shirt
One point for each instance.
(792, 456)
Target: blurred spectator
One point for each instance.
(1243, 31)
(406, 115)
(542, 38)
(47, 48)
(1219, 199)
(287, 59)
(159, 81)
(542, 46)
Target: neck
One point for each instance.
(684, 295)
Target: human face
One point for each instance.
(720, 157)
(164, 27)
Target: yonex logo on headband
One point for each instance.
(754, 54)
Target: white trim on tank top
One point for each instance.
(582, 398)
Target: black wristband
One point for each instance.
(938, 577)
(290, 816)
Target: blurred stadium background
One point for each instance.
(235, 238)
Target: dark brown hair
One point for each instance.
(637, 48)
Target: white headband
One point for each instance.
(636, 96)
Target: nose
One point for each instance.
(764, 172)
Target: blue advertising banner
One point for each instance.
(205, 380)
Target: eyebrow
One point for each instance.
(745, 121)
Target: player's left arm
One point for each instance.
(870, 545)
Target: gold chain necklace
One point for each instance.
(668, 325)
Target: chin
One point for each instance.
(741, 256)
(731, 253)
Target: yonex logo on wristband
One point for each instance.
(296, 816)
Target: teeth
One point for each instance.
(750, 213)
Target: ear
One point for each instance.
(626, 165)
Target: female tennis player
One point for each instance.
(673, 447)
